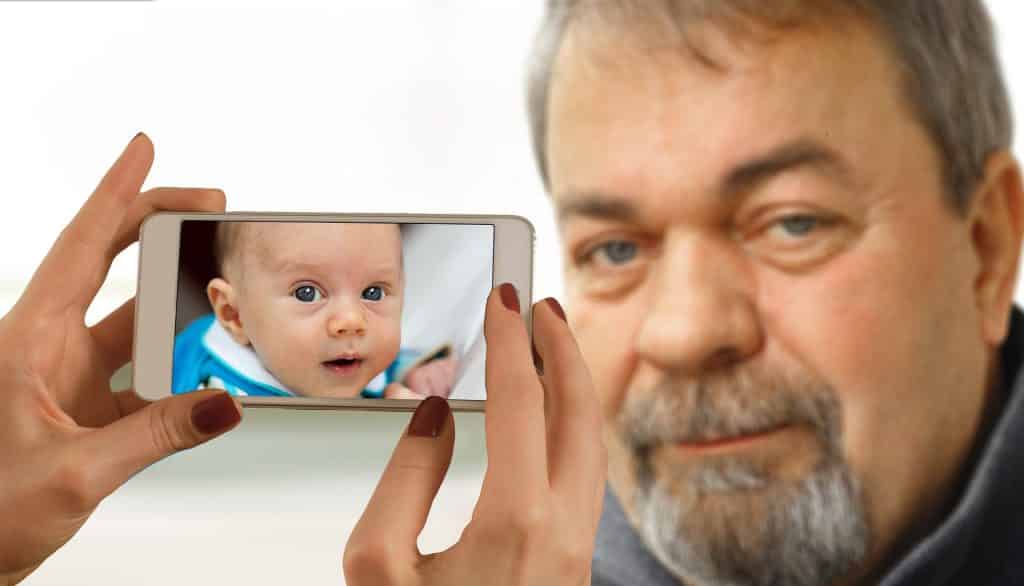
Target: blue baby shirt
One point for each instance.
(206, 356)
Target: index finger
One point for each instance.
(517, 466)
(76, 264)
(576, 446)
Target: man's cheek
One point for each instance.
(603, 331)
(843, 321)
(848, 328)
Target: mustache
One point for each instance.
(724, 405)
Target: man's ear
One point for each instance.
(996, 221)
(222, 298)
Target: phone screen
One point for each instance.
(332, 309)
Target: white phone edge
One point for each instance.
(159, 239)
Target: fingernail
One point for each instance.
(556, 307)
(135, 137)
(509, 298)
(429, 418)
(538, 363)
(215, 414)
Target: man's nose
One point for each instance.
(346, 319)
(703, 315)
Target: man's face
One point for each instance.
(776, 303)
(321, 304)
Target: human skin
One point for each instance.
(66, 440)
(352, 309)
(540, 502)
(434, 378)
(888, 295)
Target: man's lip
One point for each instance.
(727, 442)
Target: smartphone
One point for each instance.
(312, 311)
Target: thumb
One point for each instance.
(156, 431)
(397, 511)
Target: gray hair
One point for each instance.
(945, 48)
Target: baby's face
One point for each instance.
(321, 303)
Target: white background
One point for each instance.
(354, 106)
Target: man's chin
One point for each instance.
(730, 521)
(723, 494)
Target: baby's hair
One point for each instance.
(225, 243)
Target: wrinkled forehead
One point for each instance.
(622, 111)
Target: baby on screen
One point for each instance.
(303, 309)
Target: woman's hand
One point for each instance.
(66, 440)
(540, 504)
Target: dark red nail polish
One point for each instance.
(215, 414)
(538, 363)
(556, 307)
(429, 418)
(509, 298)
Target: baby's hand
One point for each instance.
(436, 377)
(400, 391)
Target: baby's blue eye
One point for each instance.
(307, 294)
(373, 293)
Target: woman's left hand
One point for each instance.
(536, 519)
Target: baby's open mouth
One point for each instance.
(344, 361)
(343, 365)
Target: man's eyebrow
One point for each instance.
(803, 152)
(596, 205)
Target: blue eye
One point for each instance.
(373, 293)
(618, 252)
(799, 225)
(307, 294)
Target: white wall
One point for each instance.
(389, 106)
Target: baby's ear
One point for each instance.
(222, 298)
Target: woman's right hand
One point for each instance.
(540, 504)
(66, 440)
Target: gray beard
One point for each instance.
(729, 523)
